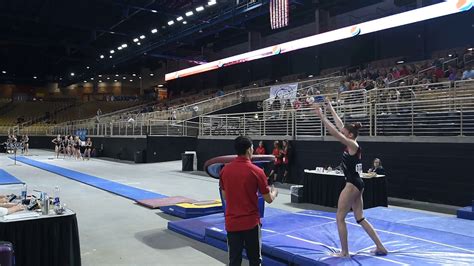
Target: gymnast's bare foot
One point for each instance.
(380, 251)
(341, 255)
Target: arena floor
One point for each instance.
(114, 230)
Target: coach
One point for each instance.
(240, 181)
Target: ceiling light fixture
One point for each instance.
(35, 77)
(101, 56)
(100, 81)
(212, 2)
(120, 48)
(189, 13)
(184, 22)
(135, 40)
(112, 51)
(87, 67)
(85, 81)
(110, 56)
(100, 76)
(170, 22)
(131, 80)
(124, 78)
(151, 74)
(72, 74)
(154, 11)
(124, 45)
(139, 43)
(92, 78)
(4, 72)
(199, 8)
(134, 74)
(115, 80)
(179, 18)
(142, 37)
(154, 31)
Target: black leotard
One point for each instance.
(349, 164)
(56, 142)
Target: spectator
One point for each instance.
(395, 73)
(342, 87)
(286, 153)
(468, 73)
(377, 167)
(220, 93)
(277, 152)
(452, 74)
(404, 71)
(260, 150)
(439, 73)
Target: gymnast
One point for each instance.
(351, 195)
(87, 151)
(57, 145)
(26, 145)
(77, 148)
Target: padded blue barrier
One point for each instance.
(129, 192)
(7, 179)
(311, 237)
(466, 213)
(195, 227)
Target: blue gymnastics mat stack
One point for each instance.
(310, 237)
(466, 212)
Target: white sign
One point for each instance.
(284, 91)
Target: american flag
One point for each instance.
(279, 13)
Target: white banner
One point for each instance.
(283, 91)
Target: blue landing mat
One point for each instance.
(129, 192)
(426, 220)
(195, 227)
(432, 241)
(7, 179)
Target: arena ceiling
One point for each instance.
(50, 39)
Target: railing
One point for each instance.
(356, 105)
(131, 128)
(106, 115)
(173, 128)
(443, 117)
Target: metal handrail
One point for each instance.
(445, 117)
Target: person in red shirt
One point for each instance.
(278, 153)
(260, 150)
(286, 153)
(239, 183)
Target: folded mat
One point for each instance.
(160, 202)
(191, 210)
